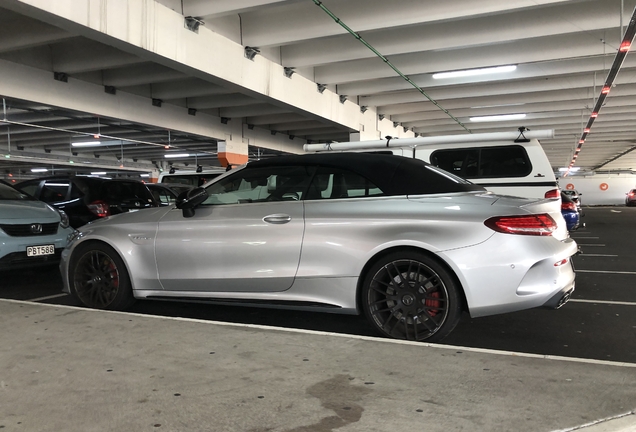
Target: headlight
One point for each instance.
(64, 219)
(73, 237)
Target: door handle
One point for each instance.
(277, 219)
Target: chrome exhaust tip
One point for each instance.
(566, 297)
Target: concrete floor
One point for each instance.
(69, 369)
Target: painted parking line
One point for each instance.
(48, 297)
(584, 238)
(590, 245)
(623, 422)
(605, 271)
(604, 302)
(347, 336)
(597, 255)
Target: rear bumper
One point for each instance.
(516, 275)
(559, 299)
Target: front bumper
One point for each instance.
(20, 260)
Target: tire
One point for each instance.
(99, 279)
(408, 295)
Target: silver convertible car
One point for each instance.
(407, 244)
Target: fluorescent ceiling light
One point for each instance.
(573, 169)
(473, 72)
(39, 170)
(144, 175)
(99, 173)
(503, 117)
(86, 144)
(177, 155)
(104, 143)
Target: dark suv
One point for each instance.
(85, 199)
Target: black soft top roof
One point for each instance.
(394, 175)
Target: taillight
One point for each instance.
(568, 206)
(625, 46)
(99, 208)
(536, 224)
(554, 193)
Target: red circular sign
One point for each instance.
(604, 186)
(569, 186)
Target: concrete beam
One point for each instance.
(153, 32)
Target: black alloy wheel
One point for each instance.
(411, 296)
(99, 279)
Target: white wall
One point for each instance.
(607, 189)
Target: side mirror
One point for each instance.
(188, 200)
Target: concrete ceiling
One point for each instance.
(562, 50)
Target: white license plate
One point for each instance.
(40, 250)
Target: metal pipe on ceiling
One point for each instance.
(388, 63)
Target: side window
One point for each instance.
(331, 183)
(54, 191)
(162, 197)
(117, 191)
(77, 190)
(484, 162)
(260, 185)
(30, 189)
(358, 186)
(461, 162)
(509, 161)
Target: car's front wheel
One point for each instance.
(98, 277)
(408, 295)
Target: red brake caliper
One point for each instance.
(113, 272)
(433, 303)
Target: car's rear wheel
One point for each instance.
(408, 295)
(99, 279)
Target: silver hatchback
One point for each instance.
(407, 244)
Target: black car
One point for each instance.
(85, 199)
(167, 193)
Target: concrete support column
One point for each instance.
(154, 176)
(234, 149)
(232, 153)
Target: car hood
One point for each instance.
(28, 211)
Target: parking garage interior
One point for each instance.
(131, 89)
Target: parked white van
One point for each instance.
(504, 163)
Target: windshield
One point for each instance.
(9, 193)
(191, 180)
